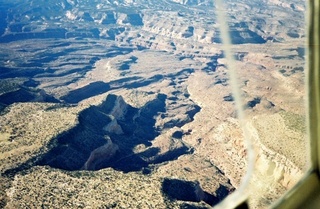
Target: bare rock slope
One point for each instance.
(128, 104)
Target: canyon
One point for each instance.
(128, 104)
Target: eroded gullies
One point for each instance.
(113, 129)
(142, 102)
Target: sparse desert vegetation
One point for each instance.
(109, 105)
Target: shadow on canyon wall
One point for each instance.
(176, 189)
(106, 136)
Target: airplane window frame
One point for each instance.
(305, 194)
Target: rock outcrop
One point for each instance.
(194, 2)
(103, 153)
(128, 104)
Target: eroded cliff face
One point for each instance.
(110, 104)
(193, 2)
(281, 161)
(278, 134)
(100, 154)
(108, 135)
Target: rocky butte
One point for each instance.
(128, 104)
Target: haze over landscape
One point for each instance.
(128, 104)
